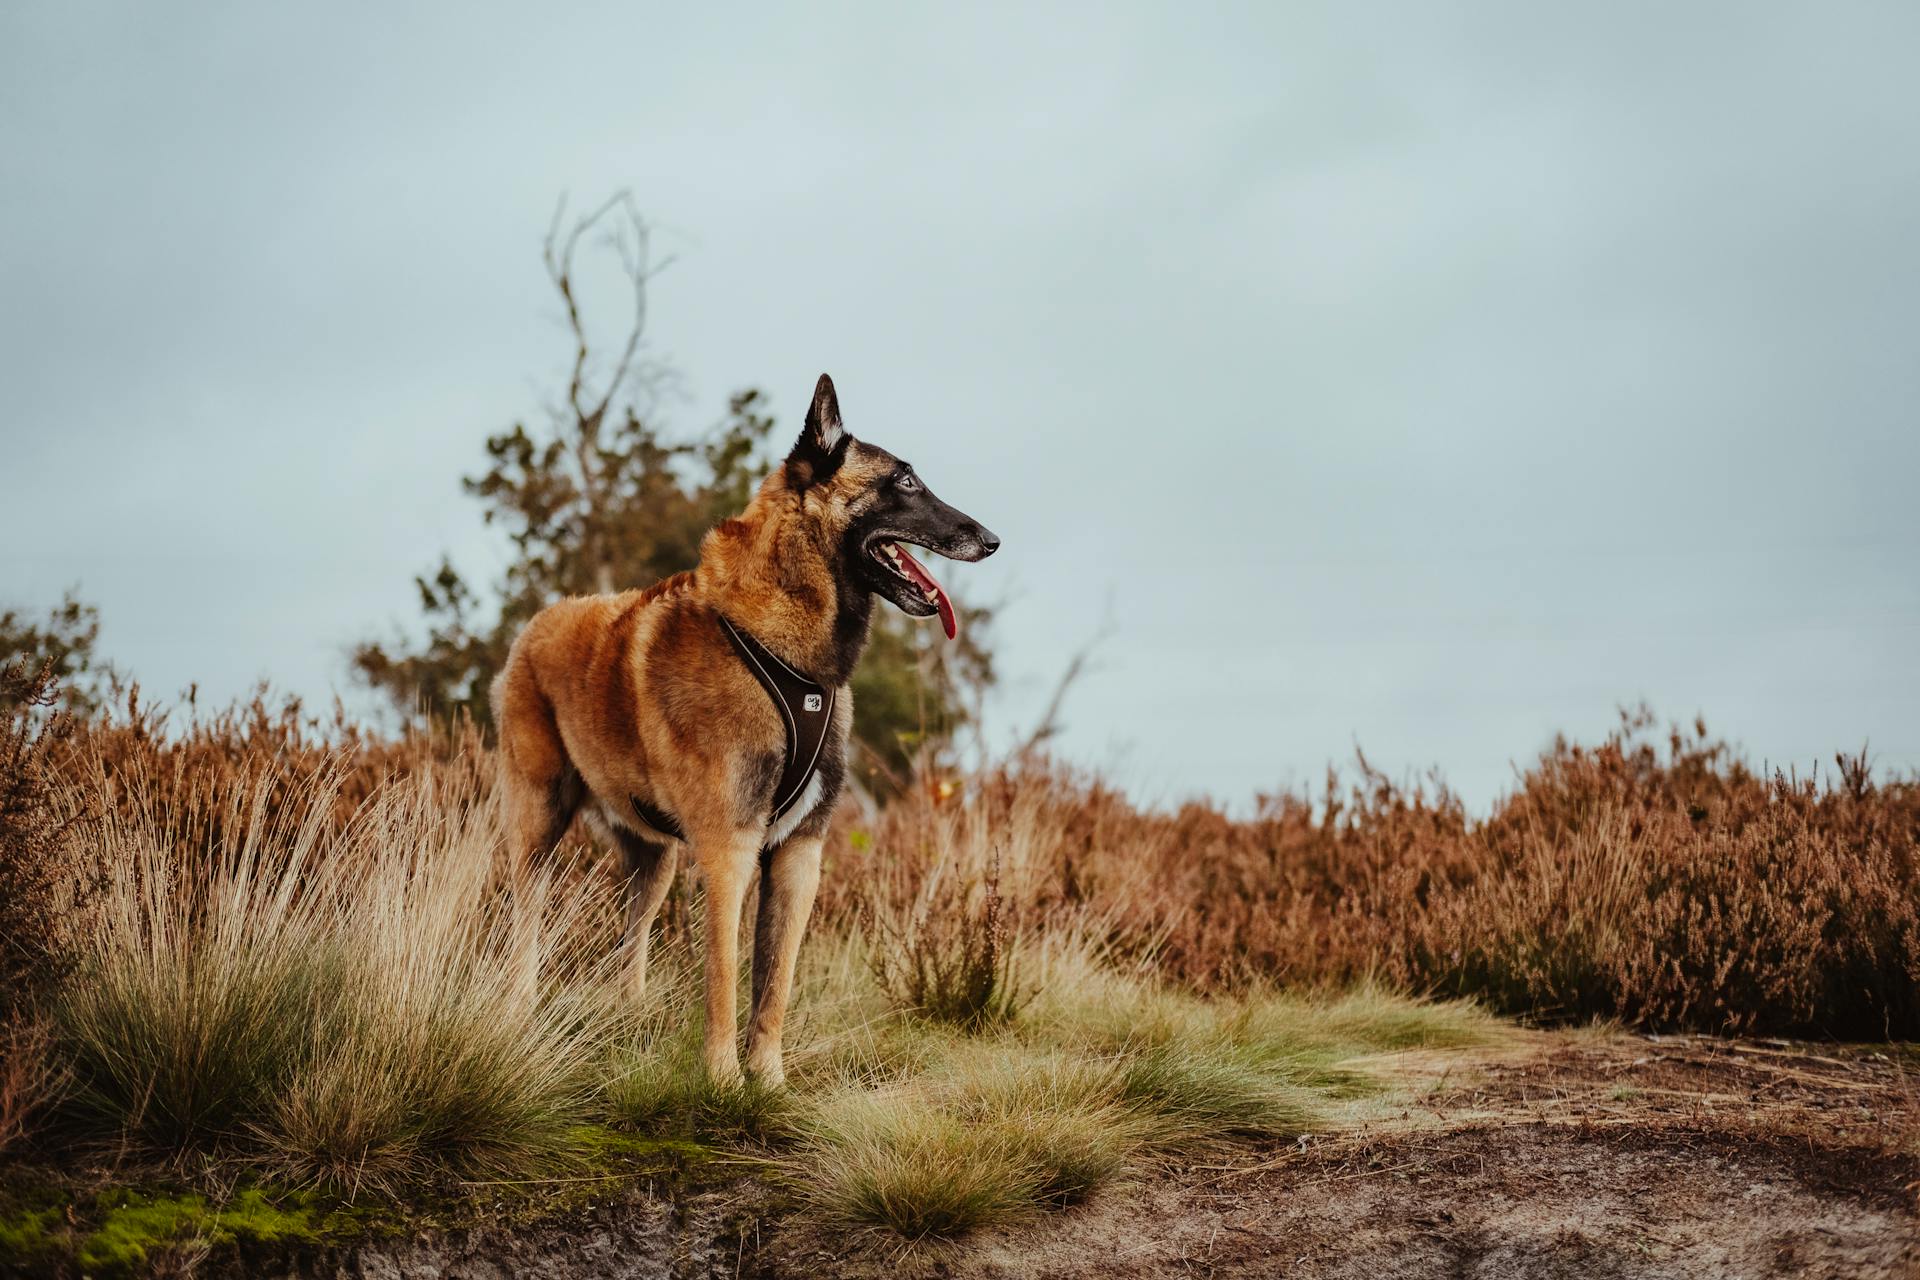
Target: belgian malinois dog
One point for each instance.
(712, 709)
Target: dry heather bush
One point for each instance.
(37, 895)
(30, 1077)
(1691, 892)
(1669, 888)
(947, 956)
(171, 761)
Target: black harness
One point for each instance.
(806, 708)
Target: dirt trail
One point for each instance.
(1581, 1156)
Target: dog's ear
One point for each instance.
(822, 445)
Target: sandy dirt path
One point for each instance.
(1578, 1155)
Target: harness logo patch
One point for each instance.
(813, 702)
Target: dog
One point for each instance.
(712, 709)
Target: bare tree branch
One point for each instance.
(1049, 724)
(629, 238)
(635, 262)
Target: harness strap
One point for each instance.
(805, 706)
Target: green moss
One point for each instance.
(250, 1216)
(133, 1228)
(29, 1236)
(128, 1228)
(127, 1231)
(606, 1146)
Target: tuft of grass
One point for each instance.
(1073, 1152)
(1213, 1091)
(884, 1161)
(1372, 1019)
(667, 1094)
(656, 1084)
(1067, 1117)
(355, 1009)
(1064, 1117)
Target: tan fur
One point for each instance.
(605, 698)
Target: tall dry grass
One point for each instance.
(355, 1004)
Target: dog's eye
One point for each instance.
(908, 482)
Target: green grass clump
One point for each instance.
(926, 1127)
(174, 1050)
(1066, 1116)
(662, 1089)
(1212, 1090)
(886, 1161)
(1370, 1020)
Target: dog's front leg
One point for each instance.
(726, 865)
(787, 887)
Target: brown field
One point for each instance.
(1655, 878)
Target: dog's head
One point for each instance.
(878, 505)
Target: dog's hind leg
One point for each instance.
(648, 865)
(788, 881)
(541, 790)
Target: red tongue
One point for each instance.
(924, 580)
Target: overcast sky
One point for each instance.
(1425, 376)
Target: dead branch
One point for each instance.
(1049, 724)
(629, 236)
